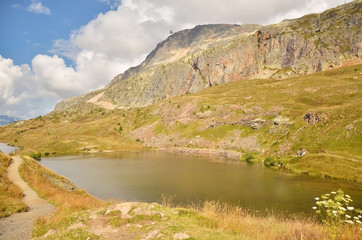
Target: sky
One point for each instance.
(51, 50)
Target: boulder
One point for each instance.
(313, 118)
(257, 123)
(281, 120)
(178, 236)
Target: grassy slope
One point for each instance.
(333, 144)
(11, 196)
(79, 216)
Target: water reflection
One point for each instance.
(7, 149)
(145, 176)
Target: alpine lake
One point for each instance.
(187, 179)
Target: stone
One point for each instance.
(349, 127)
(124, 208)
(76, 225)
(257, 123)
(179, 236)
(152, 234)
(313, 118)
(281, 120)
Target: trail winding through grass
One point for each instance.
(19, 226)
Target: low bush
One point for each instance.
(249, 156)
(36, 156)
(270, 162)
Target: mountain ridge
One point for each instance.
(294, 47)
(4, 119)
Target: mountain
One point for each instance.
(4, 119)
(310, 124)
(287, 94)
(194, 59)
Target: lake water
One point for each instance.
(145, 176)
(7, 149)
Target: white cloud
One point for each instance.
(19, 93)
(16, 6)
(112, 3)
(121, 38)
(38, 7)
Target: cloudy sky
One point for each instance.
(51, 50)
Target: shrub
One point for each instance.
(249, 156)
(334, 211)
(269, 162)
(36, 156)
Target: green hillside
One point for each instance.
(318, 115)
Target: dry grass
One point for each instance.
(246, 225)
(11, 196)
(211, 221)
(68, 202)
(42, 180)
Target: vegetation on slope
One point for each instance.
(317, 116)
(11, 196)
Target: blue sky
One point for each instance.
(25, 34)
(54, 49)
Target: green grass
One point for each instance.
(217, 118)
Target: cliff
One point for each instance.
(194, 59)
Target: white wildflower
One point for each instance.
(349, 221)
(348, 216)
(317, 198)
(333, 192)
(350, 208)
(342, 208)
(314, 207)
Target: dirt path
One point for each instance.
(19, 226)
(340, 157)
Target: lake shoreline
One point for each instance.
(222, 153)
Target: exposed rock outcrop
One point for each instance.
(257, 123)
(194, 59)
(313, 118)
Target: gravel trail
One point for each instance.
(19, 226)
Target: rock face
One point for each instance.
(194, 59)
(313, 118)
(257, 123)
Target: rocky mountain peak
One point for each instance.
(208, 55)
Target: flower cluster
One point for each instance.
(334, 209)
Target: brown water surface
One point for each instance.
(145, 176)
